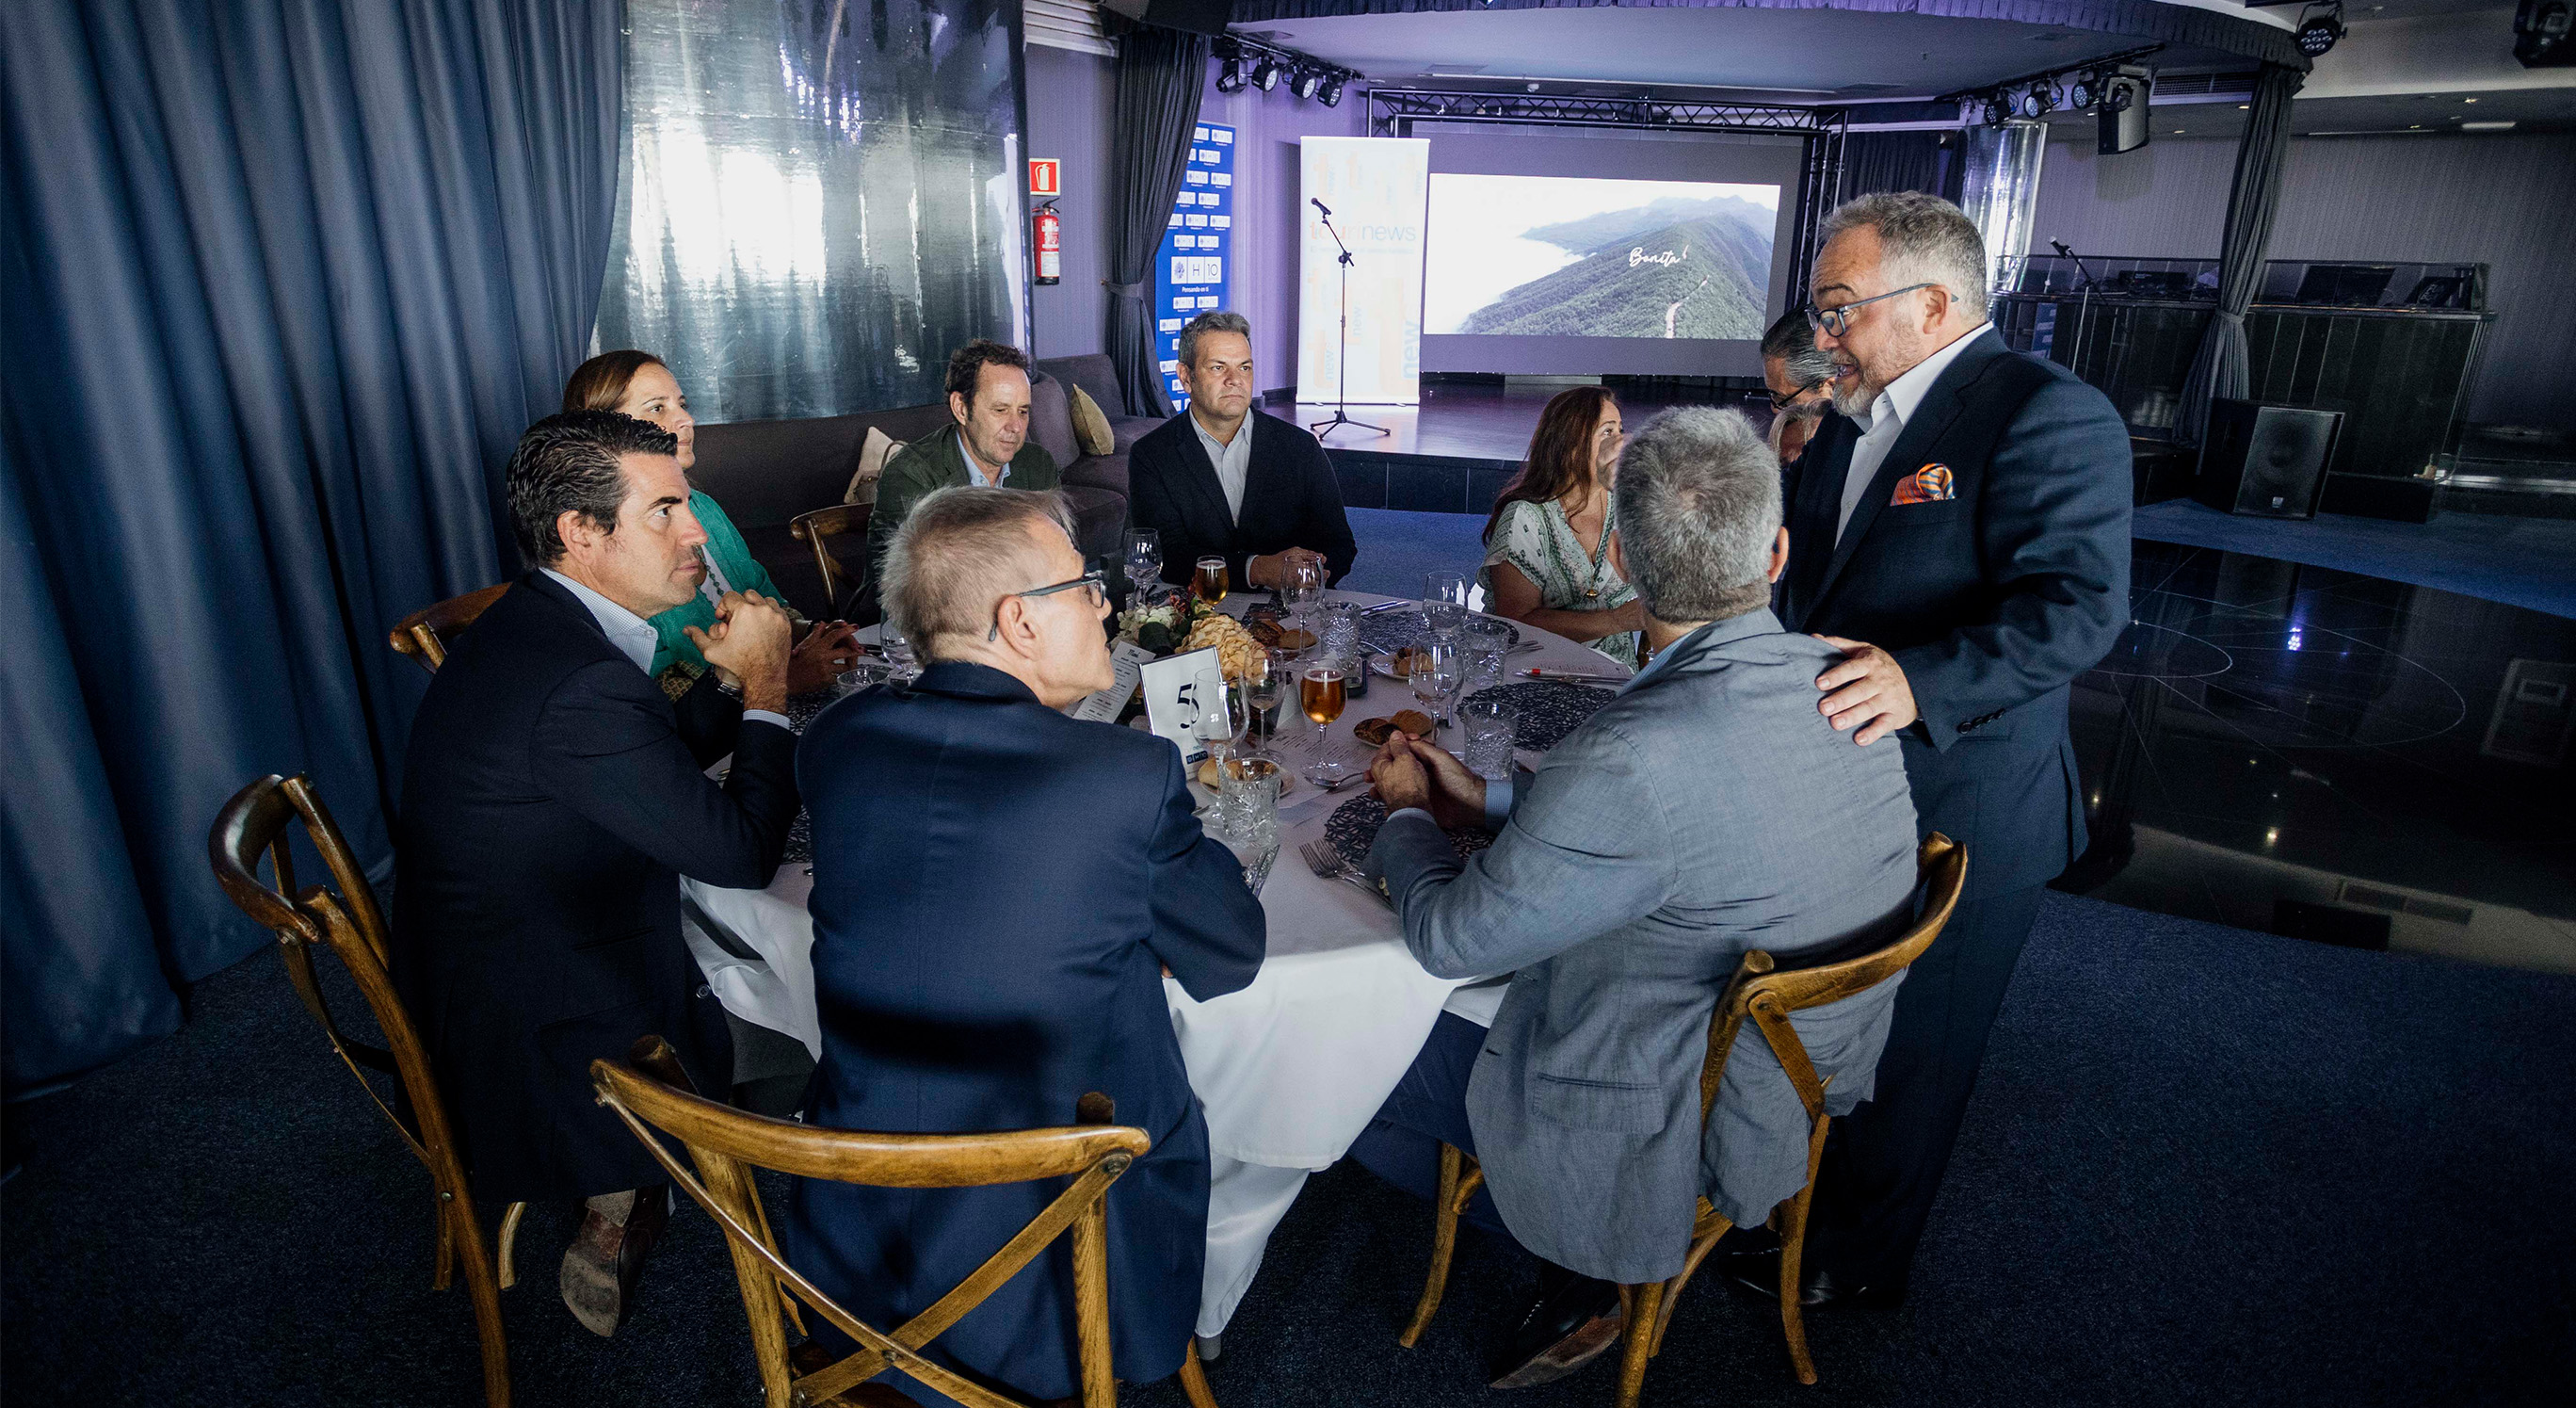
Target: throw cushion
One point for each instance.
(1090, 425)
(872, 458)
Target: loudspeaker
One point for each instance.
(2120, 120)
(1196, 16)
(2267, 461)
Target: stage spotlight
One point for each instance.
(1998, 108)
(2319, 31)
(1308, 80)
(2036, 101)
(1229, 74)
(1266, 74)
(2081, 93)
(1331, 94)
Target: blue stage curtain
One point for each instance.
(285, 280)
(2222, 367)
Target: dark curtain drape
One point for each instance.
(1893, 161)
(2220, 368)
(284, 281)
(1161, 73)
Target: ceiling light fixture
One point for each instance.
(1266, 74)
(1229, 74)
(1308, 80)
(2320, 25)
(2084, 91)
(2486, 126)
(1331, 94)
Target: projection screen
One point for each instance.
(1628, 255)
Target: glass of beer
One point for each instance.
(1210, 582)
(1320, 694)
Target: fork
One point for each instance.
(1328, 863)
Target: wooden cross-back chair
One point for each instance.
(1764, 994)
(817, 530)
(347, 922)
(649, 1092)
(423, 635)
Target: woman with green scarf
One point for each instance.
(640, 384)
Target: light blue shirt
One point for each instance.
(976, 472)
(634, 636)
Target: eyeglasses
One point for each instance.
(1832, 321)
(1782, 403)
(1091, 582)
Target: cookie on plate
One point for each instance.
(1413, 721)
(1373, 732)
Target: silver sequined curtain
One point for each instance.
(821, 198)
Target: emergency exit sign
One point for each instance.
(1046, 176)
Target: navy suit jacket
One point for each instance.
(997, 891)
(552, 799)
(1291, 499)
(1991, 601)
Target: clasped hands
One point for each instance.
(1866, 691)
(1272, 570)
(750, 645)
(1410, 772)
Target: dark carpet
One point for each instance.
(2205, 1166)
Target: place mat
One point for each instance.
(1353, 826)
(1549, 709)
(1394, 630)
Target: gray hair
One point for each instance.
(1205, 323)
(959, 552)
(1698, 501)
(1922, 239)
(1793, 341)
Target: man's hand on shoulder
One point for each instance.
(1866, 691)
(750, 640)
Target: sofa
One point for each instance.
(766, 472)
(1098, 378)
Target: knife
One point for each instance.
(1572, 677)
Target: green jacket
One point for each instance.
(733, 559)
(937, 461)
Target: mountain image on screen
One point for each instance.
(1674, 268)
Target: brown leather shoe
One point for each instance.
(1571, 1322)
(607, 1255)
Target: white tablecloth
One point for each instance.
(1290, 1069)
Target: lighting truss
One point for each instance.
(1393, 109)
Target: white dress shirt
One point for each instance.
(1886, 418)
(1233, 462)
(976, 472)
(634, 636)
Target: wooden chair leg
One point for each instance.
(1793, 1250)
(480, 1287)
(509, 1243)
(1645, 1305)
(1444, 1244)
(1194, 1378)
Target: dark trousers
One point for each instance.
(1885, 1160)
(1427, 1109)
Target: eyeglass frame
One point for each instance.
(1782, 403)
(1840, 315)
(1094, 579)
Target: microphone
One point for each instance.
(1319, 205)
(2060, 247)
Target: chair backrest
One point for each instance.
(648, 1092)
(817, 529)
(1763, 992)
(423, 635)
(259, 819)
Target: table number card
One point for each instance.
(1127, 659)
(1168, 711)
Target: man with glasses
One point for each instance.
(1800, 376)
(1961, 533)
(998, 892)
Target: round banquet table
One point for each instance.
(1290, 1068)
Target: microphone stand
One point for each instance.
(1342, 396)
(2086, 274)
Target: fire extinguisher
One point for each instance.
(1049, 244)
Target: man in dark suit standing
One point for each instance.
(1961, 532)
(552, 798)
(1219, 481)
(998, 892)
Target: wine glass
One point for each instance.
(1210, 582)
(1444, 601)
(1264, 683)
(1215, 710)
(1320, 694)
(1144, 561)
(1304, 586)
(1439, 669)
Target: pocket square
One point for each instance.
(1930, 484)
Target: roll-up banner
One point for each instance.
(1191, 272)
(1375, 188)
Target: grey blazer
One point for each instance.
(1707, 811)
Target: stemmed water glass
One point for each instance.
(1264, 683)
(1439, 669)
(1217, 713)
(1444, 601)
(1304, 586)
(1144, 563)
